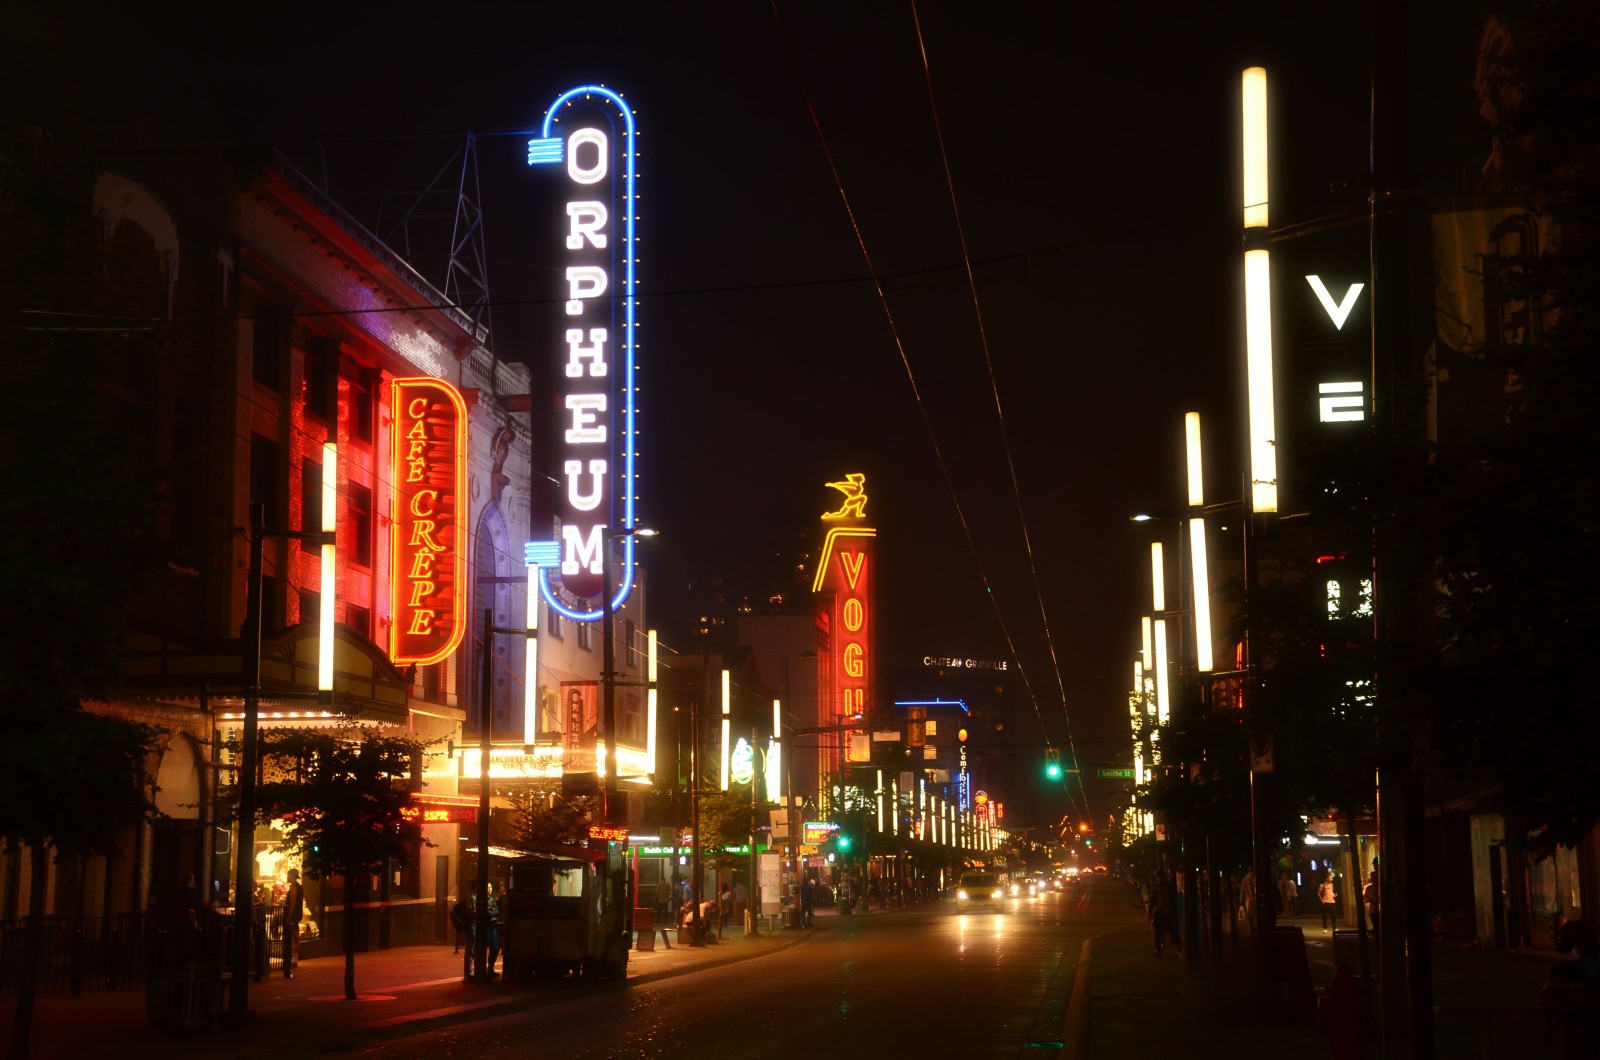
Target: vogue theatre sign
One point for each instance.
(430, 474)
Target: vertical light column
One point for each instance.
(894, 806)
(1158, 578)
(1258, 296)
(530, 660)
(329, 587)
(880, 802)
(650, 697)
(1148, 656)
(727, 723)
(775, 755)
(1198, 569)
(1163, 703)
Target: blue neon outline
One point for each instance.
(625, 483)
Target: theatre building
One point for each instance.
(279, 324)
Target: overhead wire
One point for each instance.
(1000, 418)
(905, 361)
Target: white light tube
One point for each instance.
(727, 722)
(1255, 147)
(1191, 437)
(330, 522)
(1258, 369)
(1163, 704)
(530, 665)
(1158, 578)
(1202, 594)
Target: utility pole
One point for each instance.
(1405, 955)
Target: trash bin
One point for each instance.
(644, 926)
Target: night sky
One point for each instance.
(1094, 156)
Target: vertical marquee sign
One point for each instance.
(430, 477)
(845, 572)
(589, 134)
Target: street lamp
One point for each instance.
(249, 751)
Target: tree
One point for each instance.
(341, 794)
(541, 814)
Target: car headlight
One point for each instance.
(1015, 890)
(961, 896)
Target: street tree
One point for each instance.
(541, 814)
(342, 795)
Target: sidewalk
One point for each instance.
(401, 991)
(1142, 1006)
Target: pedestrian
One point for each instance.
(741, 901)
(495, 903)
(1371, 897)
(807, 902)
(294, 910)
(1288, 895)
(1158, 912)
(466, 926)
(1329, 897)
(686, 891)
(876, 892)
(664, 898)
(1247, 899)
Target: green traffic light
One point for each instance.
(844, 842)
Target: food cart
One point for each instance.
(565, 910)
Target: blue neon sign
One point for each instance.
(589, 133)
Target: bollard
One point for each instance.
(1340, 1013)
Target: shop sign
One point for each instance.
(429, 499)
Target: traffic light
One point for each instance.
(843, 841)
(1052, 763)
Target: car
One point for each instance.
(980, 890)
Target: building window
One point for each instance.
(310, 605)
(264, 478)
(552, 621)
(321, 384)
(359, 619)
(628, 660)
(583, 636)
(310, 503)
(267, 333)
(361, 404)
(359, 515)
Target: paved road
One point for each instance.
(928, 981)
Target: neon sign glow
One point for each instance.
(843, 569)
(430, 477)
(590, 130)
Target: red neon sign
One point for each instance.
(425, 814)
(430, 477)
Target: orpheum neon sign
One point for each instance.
(589, 133)
(430, 476)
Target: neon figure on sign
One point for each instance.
(589, 132)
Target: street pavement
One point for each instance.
(1131, 1005)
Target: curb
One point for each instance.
(373, 1034)
(1075, 1029)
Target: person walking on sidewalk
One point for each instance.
(807, 902)
(294, 910)
(1288, 895)
(1158, 911)
(1372, 898)
(1329, 899)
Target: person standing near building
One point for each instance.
(1329, 897)
(294, 910)
(807, 902)
(1372, 897)
(664, 898)
(741, 900)
(1288, 895)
